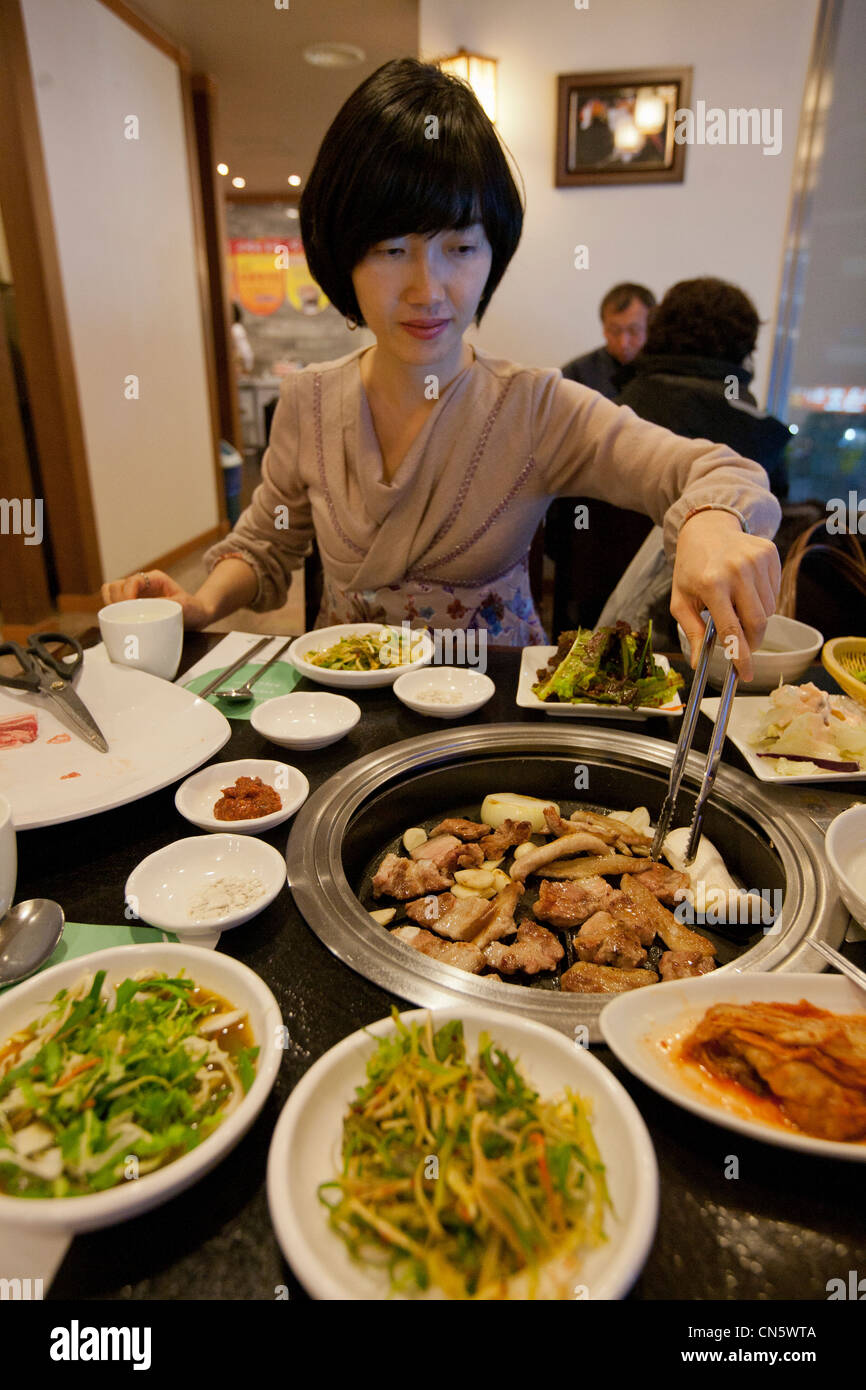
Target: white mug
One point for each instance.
(145, 633)
(8, 857)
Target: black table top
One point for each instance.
(784, 1227)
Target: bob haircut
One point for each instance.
(704, 317)
(411, 151)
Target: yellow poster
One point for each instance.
(267, 272)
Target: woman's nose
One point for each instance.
(425, 279)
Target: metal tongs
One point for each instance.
(684, 743)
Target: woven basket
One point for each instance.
(842, 657)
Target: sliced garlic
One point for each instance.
(384, 915)
(413, 838)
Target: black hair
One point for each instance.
(410, 151)
(621, 296)
(704, 317)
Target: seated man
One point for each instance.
(580, 588)
(624, 313)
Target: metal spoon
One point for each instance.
(244, 692)
(28, 934)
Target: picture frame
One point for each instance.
(618, 127)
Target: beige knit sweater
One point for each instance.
(454, 525)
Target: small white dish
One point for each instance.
(214, 971)
(786, 653)
(641, 1030)
(320, 639)
(444, 692)
(160, 889)
(745, 710)
(846, 852)
(534, 659)
(305, 1151)
(306, 719)
(196, 797)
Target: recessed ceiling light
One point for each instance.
(239, 183)
(294, 180)
(293, 213)
(222, 168)
(333, 55)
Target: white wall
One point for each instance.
(727, 218)
(124, 228)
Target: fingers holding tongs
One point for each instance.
(684, 743)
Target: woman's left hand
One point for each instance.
(734, 575)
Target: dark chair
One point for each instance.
(588, 563)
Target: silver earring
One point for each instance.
(351, 323)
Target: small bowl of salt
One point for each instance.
(205, 884)
(444, 692)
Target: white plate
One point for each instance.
(156, 733)
(160, 888)
(305, 719)
(744, 718)
(633, 1025)
(469, 690)
(305, 1151)
(324, 637)
(534, 659)
(220, 973)
(195, 798)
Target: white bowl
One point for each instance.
(787, 651)
(325, 637)
(211, 969)
(468, 691)
(305, 1151)
(160, 888)
(195, 798)
(305, 719)
(846, 852)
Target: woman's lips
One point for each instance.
(425, 328)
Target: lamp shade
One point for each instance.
(479, 72)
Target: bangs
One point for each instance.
(411, 152)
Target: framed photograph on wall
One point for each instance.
(618, 127)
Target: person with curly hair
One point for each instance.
(693, 374)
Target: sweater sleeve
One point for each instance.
(275, 532)
(589, 447)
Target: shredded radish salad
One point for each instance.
(110, 1083)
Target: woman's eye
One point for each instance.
(392, 251)
(466, 249)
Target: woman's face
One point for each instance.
(419, 294)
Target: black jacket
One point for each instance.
(706, 398)
(600, 371)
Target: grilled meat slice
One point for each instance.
(509, 834)
(585, 978)
(535, 859)
(534, 949)
(593, 864)
(602, 942)
(680, 965)
(607, 828)
(569, 904)
(501, 921)
(448, 853)
(665, 884)
(462, 954)
(625, 914)
(463, 829)
(675, 936)
(408, 878)
(460, 919)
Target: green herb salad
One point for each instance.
(110, 1084)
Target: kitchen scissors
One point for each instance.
(43, 672)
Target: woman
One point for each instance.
(422, 466)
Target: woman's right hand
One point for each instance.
(156, 584)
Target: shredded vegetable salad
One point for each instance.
(368, 651)
(108, 1085)
(456, 1175)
